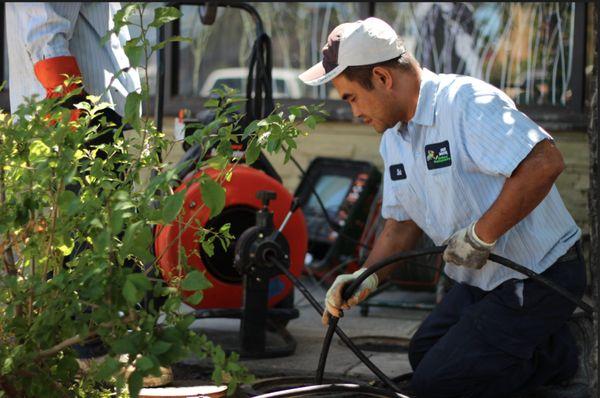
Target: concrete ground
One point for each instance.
(309, 333)
(385, 325)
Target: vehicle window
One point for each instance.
(280, 88)
(238, 84)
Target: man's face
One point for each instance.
(373, 107)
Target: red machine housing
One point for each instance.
(241, 205)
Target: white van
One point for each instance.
(285, 82)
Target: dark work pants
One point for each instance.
(485, 344)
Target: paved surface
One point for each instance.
(341, 363)
(309, 333)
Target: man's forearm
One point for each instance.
(395, 237)
(522, 192)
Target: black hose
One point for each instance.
(325, 349)
(363, 358)
(260, 80)
(353, 286)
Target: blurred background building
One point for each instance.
(540, 54)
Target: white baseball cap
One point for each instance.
(352, 44)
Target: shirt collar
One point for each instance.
(427, 95)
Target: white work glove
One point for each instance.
(333, 299)
(467, 249)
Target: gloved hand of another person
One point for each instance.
(53, 73)
(467, 249)
(333, 299)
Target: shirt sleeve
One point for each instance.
(390, 206)
(45, 29)
(496, 136)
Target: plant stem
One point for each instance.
(78, 339)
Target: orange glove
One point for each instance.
(51, 74)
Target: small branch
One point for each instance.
(62, 345)
(78, 339)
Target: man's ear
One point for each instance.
(382, 77)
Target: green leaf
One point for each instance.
(135, 383)
(172, 206)
(140, 281)
(116, 221)
(136, 241)
(213, 195)
(311, 121)
(250, 129)
(211, 103)
(252, 152)
(124, 345)
(208, 246)
(163, 15)
(68, 203)
(144, 363)
(132, 109)
(218, 162)
(134, 52)
(162, 44)
(159, 347)
(108, 368)
(121, 17)
(195, 298)
(102, 241)
(195, 281)
(131, 293)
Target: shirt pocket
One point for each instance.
(448, 205)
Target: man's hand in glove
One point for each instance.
(467, 249)
(333, 299)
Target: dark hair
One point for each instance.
(364, 73)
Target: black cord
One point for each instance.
(260, 82)
(325, 350)
(362, 357)
(353, 286)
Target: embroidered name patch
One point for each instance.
(438, 155)
(397, 172)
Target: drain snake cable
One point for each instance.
(401, 256)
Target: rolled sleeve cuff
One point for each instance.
(394, 212)
(528, 141)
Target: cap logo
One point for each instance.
(331, 49)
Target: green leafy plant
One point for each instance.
(76, 234)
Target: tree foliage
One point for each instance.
(76, 232)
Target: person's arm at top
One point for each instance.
(47, 29)
(502, 141)
(522, 192)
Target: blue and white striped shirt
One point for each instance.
(36, 31)
(446, 167)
